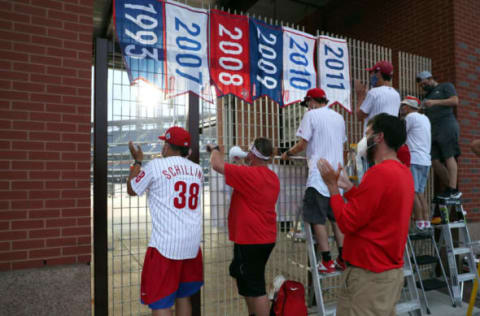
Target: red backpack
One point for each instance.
(290, 300)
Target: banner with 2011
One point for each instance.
(178, 48)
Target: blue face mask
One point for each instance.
(373, 81)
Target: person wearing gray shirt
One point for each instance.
(438, 103)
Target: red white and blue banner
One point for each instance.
(266, 57)
(178, 49)
(139, 25)
(334, 70)
(187, 50)
(229, 54)
(299, 73)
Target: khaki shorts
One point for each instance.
(365, 293)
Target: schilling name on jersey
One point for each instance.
(182, 170)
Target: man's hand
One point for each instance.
(343, 180)
(135, 151)
(211, 147)
(360, 87)
(429, 103)
(285, 156)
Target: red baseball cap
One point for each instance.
(315, 93)
(176, 135)
(385, 67)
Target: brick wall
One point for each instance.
(467, 79)
(45, 104)
(443, 30)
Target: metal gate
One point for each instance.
(141, 113)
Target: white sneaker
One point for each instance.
(420, 225)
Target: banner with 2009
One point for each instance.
(178, 48)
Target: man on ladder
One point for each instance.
(375, 222)
(322, 134)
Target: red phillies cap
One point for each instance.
(315, 93)
(383, 66)
(176, 135)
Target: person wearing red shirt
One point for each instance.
(252, 220)
(375, 221)
(403, 154)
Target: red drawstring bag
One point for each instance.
(290, 300)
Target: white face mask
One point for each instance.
(362, 147)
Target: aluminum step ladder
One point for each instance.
(411, 305)
(453, 217)
(432, 283)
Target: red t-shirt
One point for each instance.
(403, 154)
(252, 218)
(376, 217)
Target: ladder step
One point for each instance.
(323, 276)
(422, 260)
(408, 306)
(422, 235)
(461, 250)
(330, 309)
(466, 277)
(431, 284)
(451, 225)
(449, 201)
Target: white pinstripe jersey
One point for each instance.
(381, 99)
(174, 187)
(324, 130)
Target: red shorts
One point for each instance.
(164, 279)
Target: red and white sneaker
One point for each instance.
(326, 267)
(340, 264)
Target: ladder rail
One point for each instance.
(417, 270)
(442, 268)
(464, 248)
(412, 287)
(315, 274)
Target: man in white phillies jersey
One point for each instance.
(322, 134)
(173, 268)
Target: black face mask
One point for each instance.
(428, 88)
(371, 150)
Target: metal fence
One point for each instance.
(141, 113)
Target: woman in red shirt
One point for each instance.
(251, 220)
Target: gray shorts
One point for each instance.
(420, 177)
(445, 140)
(316, 208)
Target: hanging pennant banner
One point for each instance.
(334, 70)
(229, 54)
(266, 47)
(187, 51)
(299, 73)
(139, 26)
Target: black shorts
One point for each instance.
(316, 208)
(248, 268)
(445, 141)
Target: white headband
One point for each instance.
(257, 153)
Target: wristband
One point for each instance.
(289, 153)
(137, 162)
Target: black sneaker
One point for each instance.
(445, 195)
(455, 194)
